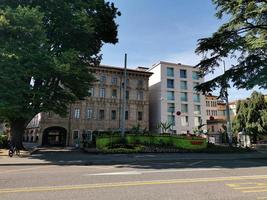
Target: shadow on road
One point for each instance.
(57, 156)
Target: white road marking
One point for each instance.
(139, 172)
(145, 156)
(195, 163)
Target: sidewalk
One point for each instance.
(4, 152)
(70, 157)
(30, 148)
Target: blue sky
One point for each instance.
(167, 30)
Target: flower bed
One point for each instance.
(179, 142)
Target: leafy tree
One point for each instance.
(240, 120)
(244, 38)
(45, 50)
(251, 116)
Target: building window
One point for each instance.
(197, 110)
(196, 98)
(114, 80)
(184, 120)
(184, 108)
(75, 134)
(140, 83)
(77, 113)
(197, 121)
(102, 79)
(88, 136)
(91, 92)
(140, 95)
(214, 112)
(171, 107)
(183, 85)
(114, 93)
(171, 119)
(89, 113)
(170, 72)
(102, 92)
(140, 116)
(212, 128)
(184, 96)
(183, 73)
(170, 95)
(126, 115)
(195, 75)
(194, 85)
(113, 114)
(127, 94)
(127, 82)
(101, 114)
(170, 83)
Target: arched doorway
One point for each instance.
(54, 136)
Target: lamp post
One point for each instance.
(124, 98)
(229, 132)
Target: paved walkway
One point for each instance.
(76, 157)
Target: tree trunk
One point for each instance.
(255, 138)
(17, 130)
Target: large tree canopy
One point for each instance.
(45, 50)
(251, 116)
(244, 38)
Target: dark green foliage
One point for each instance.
(136, 129)
(251, 116)
(3, 141)
(243, 37)
(45, 50)
(164, 126)
(178, 142)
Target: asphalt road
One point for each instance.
(142, 179)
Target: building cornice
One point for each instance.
(120, 70)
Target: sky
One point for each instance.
(164, 30)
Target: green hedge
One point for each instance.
(180, 142)
(3, 141)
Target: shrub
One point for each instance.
(3, 141)
(155, 140)
(123, 149)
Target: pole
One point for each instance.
(124, 99)
(229, 132)
(69, 126)
(173, 121)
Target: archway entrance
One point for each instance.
(54, 136)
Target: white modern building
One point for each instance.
(173, 97)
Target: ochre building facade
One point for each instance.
(100, 111)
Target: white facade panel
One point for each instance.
(160, 70)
